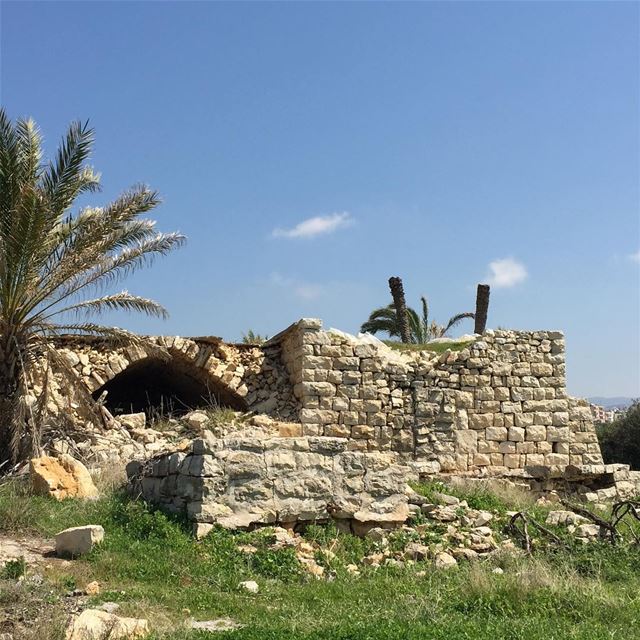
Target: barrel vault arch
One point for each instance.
(186, 373)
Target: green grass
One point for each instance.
(433, 347)
(478, 496)
(152, 567)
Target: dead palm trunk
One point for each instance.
(482, 308)
(400, 304)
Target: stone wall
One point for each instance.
(498, 403)
(240, 481)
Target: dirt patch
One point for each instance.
(34, 550)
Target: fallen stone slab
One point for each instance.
(94, 624)
(221, 624)
(77, 541)
(61, 478)
(564, 518)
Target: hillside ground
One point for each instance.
(150, 565)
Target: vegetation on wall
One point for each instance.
(250, 337)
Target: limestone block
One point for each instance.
(521, 369)
(289, 430)
(480, 421)
(496, 433)
(501, 368)
(523, 419)
(96, 624)
(511, 407)
(560, 419)
(488, 446)
(516, 434)
(487, 406)
(196, 420)
(337, 431)
(512, 460)
(501, 394)
(466, 441)
(443, 560)
(133, 420)
(62, 477)
(541, 369)
(362, 431)
(535, 433)
(556, 459)
(346, 363)
(77, 541)
(318, 416)
(244, 464)
(507, 447)
(558, 434)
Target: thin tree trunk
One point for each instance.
(482, 308)
(399, 302)
(13, 426)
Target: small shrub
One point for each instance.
(280, 564)
(14, 569)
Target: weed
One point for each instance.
(13, 569)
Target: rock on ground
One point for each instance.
(249, 585)
(444, 561)
(62, 477)
(94, 624)
(77, 541)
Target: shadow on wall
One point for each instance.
(160, 387)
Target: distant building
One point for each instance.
(601, 414)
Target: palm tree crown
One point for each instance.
(55, 264)
(385, 320)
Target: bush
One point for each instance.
(620, 441)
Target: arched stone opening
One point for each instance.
(165, 387)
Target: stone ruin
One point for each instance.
(345, 422)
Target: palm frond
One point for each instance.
(123, 301)
(456, 320)
(65, 179)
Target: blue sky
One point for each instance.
(311, 150)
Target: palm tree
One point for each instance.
(385, 320)
(56, 264)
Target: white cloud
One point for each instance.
(317, 226)
(506, 272)
(303, 290)
(635, 257)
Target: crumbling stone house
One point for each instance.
(345, 407)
